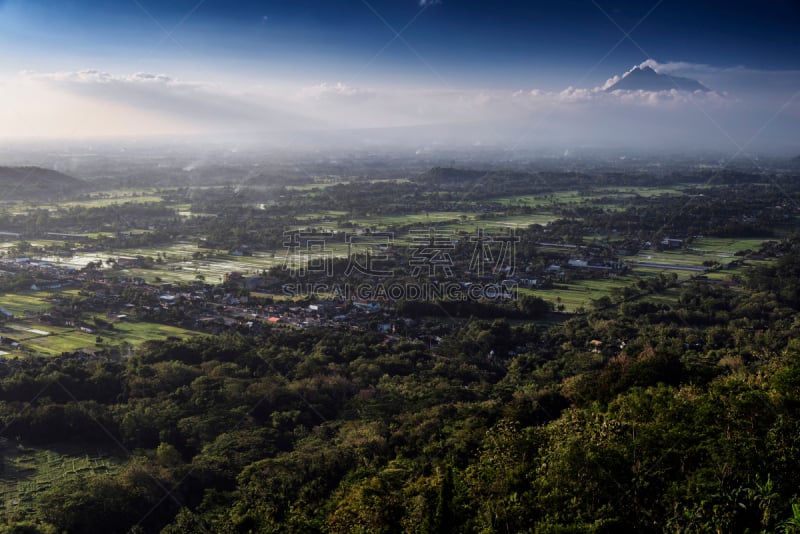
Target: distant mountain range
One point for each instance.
(37, 183)
(646, 79)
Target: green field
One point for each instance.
(321, 215)
(571, 296)
(699, 251)
(432, 217)
(620, 195)
(29, 303)
(322, 183)
(95, 200)
(505, 221)
(637, 191)
(316, 185)
(725, 246)
(59, 339)
(135, 332)
(122, 198)
(580, 293)
(47, 339)
(668, 258)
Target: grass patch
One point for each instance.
(138, 332)
(725, 246)
(25, 304)
(60, 340)
(52, 340)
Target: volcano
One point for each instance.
(646, 79)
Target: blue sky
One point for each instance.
(515, 42)
(295, 54)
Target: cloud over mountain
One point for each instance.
(645, 78)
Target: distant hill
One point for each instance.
(37, 183)
(481, 184)
(646, 79)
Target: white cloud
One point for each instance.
(333, 105)
(611, 81)
(575, 95)
(197, 106)
(89, 77)
(94, 102)
(676, 66)
(44, 109)
(325, 90)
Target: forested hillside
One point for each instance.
(640, 415)
(37, 183)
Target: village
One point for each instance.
(93, 300)
(89, 302)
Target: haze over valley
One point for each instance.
(419, 266)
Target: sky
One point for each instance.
(513, 73)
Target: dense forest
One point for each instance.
(637, 415)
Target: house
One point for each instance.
(672, 243)
(367, 306)
(578, 263)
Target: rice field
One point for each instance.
(26, 472)
(52, 340)
(29, 303)
(619, 194)
(580, 293)
(725, 247)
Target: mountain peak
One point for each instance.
(647, 79)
